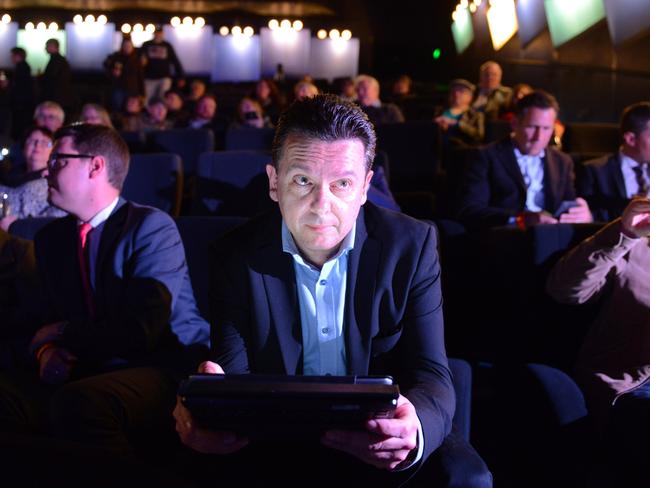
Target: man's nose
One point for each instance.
(321, 199)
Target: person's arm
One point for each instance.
(173, 58)
(473, 125)
(583, 273)
(152, 275)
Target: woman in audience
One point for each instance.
(304, 89)
(461, 125)
(250, 114)
(155, 118)
(270, 98)
(92, 113)
(29, 197)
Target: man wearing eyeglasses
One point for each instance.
(121, 324)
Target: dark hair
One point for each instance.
(536, 99)
(37, 128)
(154, 101)
(102, 141)
(19, 51)
(326, 118)
(635, 118)
(52, 41)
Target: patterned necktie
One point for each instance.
(641, 172)
(82, 254)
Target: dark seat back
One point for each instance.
(28, 228)
(248, 139)
(155, 180)
(187, 143)
(198, 233)
(591, 138)
(232, 183)
(414, 151)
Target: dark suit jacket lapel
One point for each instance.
(551, 179)
(279, 280)
(507, 156)
(616, 174)
(60, 266)
(363, 263)
(112, 230)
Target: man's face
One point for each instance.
(320, 187)
(639, 144)
(206, 108)
(490, 77)
(68, 181)
(48, 117)
(534, 130)
(91, 116)
(173, 101)
(157, 111)
(37, 150)
(51, 48)
(367, 92)
(459, 96)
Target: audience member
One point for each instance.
(50, 115)
(269, 97)
(348, 90)
(461, 125)
(28, 195)
(177, 113)
(368, 98)
(492, 97)
(206, 116)
(304, 89)
(125, 73)
(119, 325)
(266, 278)
(92, 113)
(155, 118)
(160, 65)
(610, 182)
(197, 90)
(133, 107)
(613, 367)
(250, 114)
(521, 179)
(56, 81)
(401, 88)
(21, 93)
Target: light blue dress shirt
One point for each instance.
(629, 168)
(532, 169)
(321, 297)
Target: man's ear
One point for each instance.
(272, 173)
(97, 166)
(629, 138)
(366, 186)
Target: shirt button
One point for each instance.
(323, 282)
(325, 330)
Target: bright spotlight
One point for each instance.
(53, 26)
(187, 20)
(6, 18)
(223, 30)
(150, 29)
(346, 35)
(335, 34)
(236, 31)
(248, 31)
(41, 26)
(126, 28)
(176, 21)
(321, 34)
(285, 24)
(102, 19)
(90, 18)
(138, 28)
(274, 24)
(199, 22)
(29, 26)
(77, 19)
(297, 25)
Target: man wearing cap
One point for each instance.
(461, 124)
(160, 65)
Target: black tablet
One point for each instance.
(259, 405)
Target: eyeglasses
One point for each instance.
(39, 142)
(59, 160)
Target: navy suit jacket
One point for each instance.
(145, 309)
(601, 183)
(493, 189)
(393, 321)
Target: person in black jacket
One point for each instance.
(56, 82)
(160, 65)
(21, 93)
(125, 72)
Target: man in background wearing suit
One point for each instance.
(325, 285)
(521, 179)
(609, 183)
(120, 324)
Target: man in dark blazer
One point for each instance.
(56, 81)
(323, 286)
(120, 325)
(609, 183)
(521, 179)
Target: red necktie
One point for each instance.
(84, 229)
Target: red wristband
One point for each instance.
(520, 221)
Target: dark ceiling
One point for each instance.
(260, 7)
